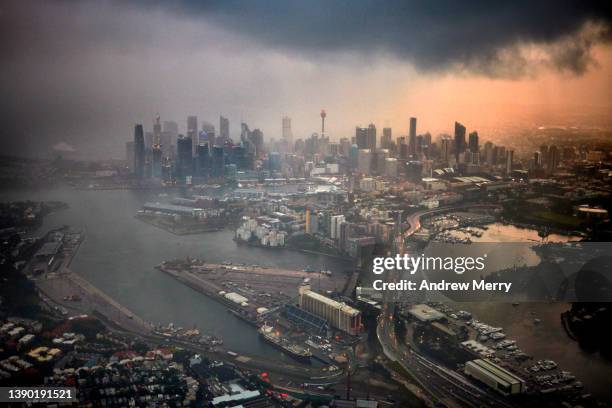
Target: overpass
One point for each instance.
(446, 386)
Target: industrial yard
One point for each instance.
(256, 288)
(294, 310)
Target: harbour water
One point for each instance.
(119, 255)
(547, 339)
(498, 232)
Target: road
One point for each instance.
(414, 221)
(445, 386)
(121, 320)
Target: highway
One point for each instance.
(121, 320)
(446, 387)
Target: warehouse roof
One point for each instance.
(179, 209)
(500, 374)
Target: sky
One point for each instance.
(79, 74)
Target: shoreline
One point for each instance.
(207, 289)
(303, 371)
(179, 232)
(293, 248)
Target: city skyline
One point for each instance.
(176, 61)
(288, 203)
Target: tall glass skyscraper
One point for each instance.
(139, 151)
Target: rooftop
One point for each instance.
(171, 208)
(333, 303)
(502, 375)
(425, 313)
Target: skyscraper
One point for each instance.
(218, 162)
(419, 144)
(287, 133)
(207, 135)
(412, 142)
(381, 155)
(537, 159)
(139, 151)
(361, 137)
(553, 159)
(345, 146)
(224, 129)
(402, 147)
(192, 125)
(274, 161)
(353, 157)
(184, 164)
(509, 161)
(192, 131)
(386, 140)
(499, 155)
(445, 149)
(473, 142)
(156, 153)
(371, 137)
(364, 161)
(414, 170)
(156, 150)
(168, 138)
(203, 162)
(257, 138)
(459, 140)
(488, 153)
(148, 140)
(474, 148)
(157, 129)
(544, 151)
(148, 166)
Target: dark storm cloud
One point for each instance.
(441, 35)
(82, 72)
(472, 35)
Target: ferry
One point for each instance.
(295, 351)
